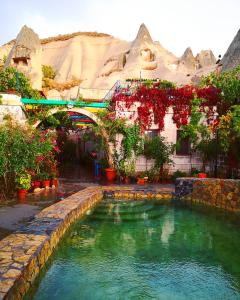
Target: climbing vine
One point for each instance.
(149, 103)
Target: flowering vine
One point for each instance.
(148, 104)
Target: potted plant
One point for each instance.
(23, 184)
(129, 171)
(202, 175)
(141, 179)
(45, 179)
(36, 182)
(178, 174)
(54, 180)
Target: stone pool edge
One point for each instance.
(24, 253)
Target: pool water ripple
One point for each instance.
(174, 253)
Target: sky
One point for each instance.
(176, 24)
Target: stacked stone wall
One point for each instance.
(221, 193)
(24, 253)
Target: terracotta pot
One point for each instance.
(36, 184)
(54, 182)
(202, 175)
(46, 183)
(111, 174)
(141, 181)
(22, 194)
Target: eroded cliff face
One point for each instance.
(99, 60)
(231, 59)
(26, 56)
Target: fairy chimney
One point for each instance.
(26, 56)
(231, 58)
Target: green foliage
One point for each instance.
(159, 150)
(24, 150)
(162, 84)
(131, 144)
(228, 82)
(59, 119)
(194, 126)
(43, 175)
(23, 181)
(132, 141)
(229, 128)
(48, 72)
(11, 79)
(177, 174)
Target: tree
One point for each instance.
(11, 79)
(158, 149)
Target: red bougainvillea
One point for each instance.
(152, 103)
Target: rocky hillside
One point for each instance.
(98, 60)
(231, 59)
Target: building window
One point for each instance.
(183, 144)
(151, 133)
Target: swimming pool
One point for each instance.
(144, 250)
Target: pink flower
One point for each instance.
(56, 148)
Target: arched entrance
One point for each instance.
(81, 118)
(75, 109)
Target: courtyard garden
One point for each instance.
(208, 116)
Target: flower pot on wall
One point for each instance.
(54, 182)
(111, 174)
(141, 181)
(202, 175)
(36, 184)
(46, 183)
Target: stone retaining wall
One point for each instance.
(221, 193)
(23, 254)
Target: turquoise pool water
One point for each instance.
(145, 250)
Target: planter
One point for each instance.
(111, 174)
(11, 91)
(141, 181)
(46, 183)
(202, 175)
(22, 193)
(36, 184)
(54, 182)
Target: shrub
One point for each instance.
(24, 150)
(177, 174)
(11, 79)
(48, 72)
(159, 150)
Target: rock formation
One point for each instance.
(99, 60)
(205, 58)
(188, 60)
(26, 56)
(231, 58)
